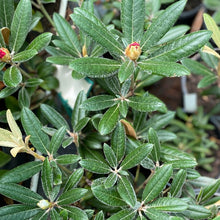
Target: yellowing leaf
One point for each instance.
(212, 26)
(5, 135)
(13, 125)
(14, 151)
(129, 129)
(209, 50)
(8, 144)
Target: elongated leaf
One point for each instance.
(110, 180)
(118, 141)
(209, 191)
(110, 155)
(95, 166)
(40, 42)
(156, 31)
(14, 191)
(132, 19)
(177, 184)
(155, 214)
(67, 159)
(126, 191)
(207, 81)
(24, 56)
(32, 126)
(54, 215)
(73, 179)
(47, 178)
(60, 60)
(157, 183)
(22, 172)
(75, 213)
(88, 23)
(106, 196)
(126, 70)
(109, 120)
(196, 212)
(6, 12)
(196, 67)
(99, 102)
(20, 24)
(212, 26)
(78, 113)
(125, 214)
(33, 82)
(153, 139)
(71, 196)
(181, 47)
(12, 77)
(54, 117)
(24, 99)
(95, 67)
(136, 156)
(174, 33)
(162, 68)
(57, 140)
(146, 104)
(169, 204)
(18, 211)
(67, 34)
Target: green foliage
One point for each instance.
(118, 135)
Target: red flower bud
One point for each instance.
(133, 51)
(5, 55)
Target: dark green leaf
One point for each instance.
(110, 155)
(132, 19)
(125, 214)
(47, 178)
(23, 98)
(126, 70)
(60, 60)
(32, 126)
(24, 56)
(6, 12)
(4, 159)
(67, 34)
(40, 42)
(153, 139)
(110, 180)
(177, 183)
(73, 179)
(146, 104)
(11, 212)
(57, 140)
(123, 108)
(126, 191)
(156, 31)
(99, 216)
(157, 183)
(54, 215)
(106, 196)
(14, 191)
(207, 81)
(71, 196)
(155, 214)
(95, 166)
(12, 77)
(162, 68)
(75, 213)
(33, 82)
(169, 204)
(109, 120)
(95, 67)
(21, 172)
(181, 163)
(197, 212)
(54, 117)
(20, 24)
(78, 113)
(88, 23)
(67, 159)
(99, 102)
(136, 156)
(181, 47)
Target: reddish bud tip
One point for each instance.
(2, 54)
(134, 44)
(5, 55)
(133, 51)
